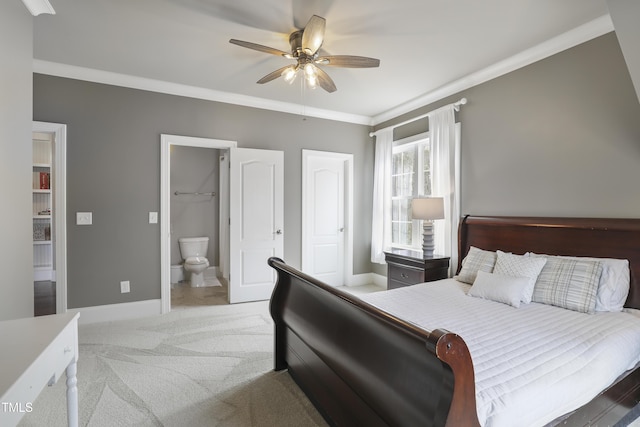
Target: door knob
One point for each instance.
(278, 231)
(341, 229)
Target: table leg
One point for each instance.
(72, 394)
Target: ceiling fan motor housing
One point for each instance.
(295, 41)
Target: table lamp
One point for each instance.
(427, 209)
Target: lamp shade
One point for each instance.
(428, 208)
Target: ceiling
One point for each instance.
(427, 48)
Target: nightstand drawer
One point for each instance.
(408, 267)
(405, 275)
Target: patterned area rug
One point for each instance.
(205, 366)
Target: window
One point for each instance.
(410, 177)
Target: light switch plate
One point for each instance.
(84, 218)
(153, 217)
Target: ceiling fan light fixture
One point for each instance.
(311, 75)
(310, 70)
(312, 82)
(289, 74)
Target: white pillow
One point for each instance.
(613, 289)
(476, 260)
(520, 266)
(499, 288)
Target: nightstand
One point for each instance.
(406, 267)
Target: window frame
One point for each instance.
(415, 142)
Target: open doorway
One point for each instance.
(193, 199)
(196, 216)
(49, 217)
(252, 219)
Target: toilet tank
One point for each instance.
(193, 246)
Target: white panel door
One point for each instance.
(257, 216)
(324, 219)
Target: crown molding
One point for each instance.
(36, 7)
(133, 82)
(555, 45)
(581, 34)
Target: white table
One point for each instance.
(34, 353)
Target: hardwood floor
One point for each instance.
(183, 296)
(44, 298)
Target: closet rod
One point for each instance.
(212, 194)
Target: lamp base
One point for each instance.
(428, 245)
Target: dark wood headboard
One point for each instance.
(594, 237)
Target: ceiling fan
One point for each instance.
(305, 46)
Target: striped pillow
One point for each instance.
(569, 283)
(476, 260)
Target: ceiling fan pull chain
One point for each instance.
(303, 87)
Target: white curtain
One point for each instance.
(445, 181)
(381, 221)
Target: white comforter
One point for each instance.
(533, 363)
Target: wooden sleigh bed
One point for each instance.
(361, 366)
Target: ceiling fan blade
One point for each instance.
(272, 75)
(348, 61)
(313, 35)
(261, 48)
(325, 81)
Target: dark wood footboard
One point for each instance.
(361, 366)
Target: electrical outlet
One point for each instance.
(153, 217)
(125, 287)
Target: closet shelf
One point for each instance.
(180, 193)
(42, 194)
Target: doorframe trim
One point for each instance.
(60, 207)
(166, 141)
(348, 205)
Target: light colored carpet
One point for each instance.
(202, 366)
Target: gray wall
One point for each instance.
(195, 169)
(560, 137)
(16, 247)
(625, 15)
(113, 152)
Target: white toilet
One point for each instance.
(194, 252)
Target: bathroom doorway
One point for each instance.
(196, 275)
(194, 203)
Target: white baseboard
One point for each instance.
(367, 279)
(379, 279)
(114, 312)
